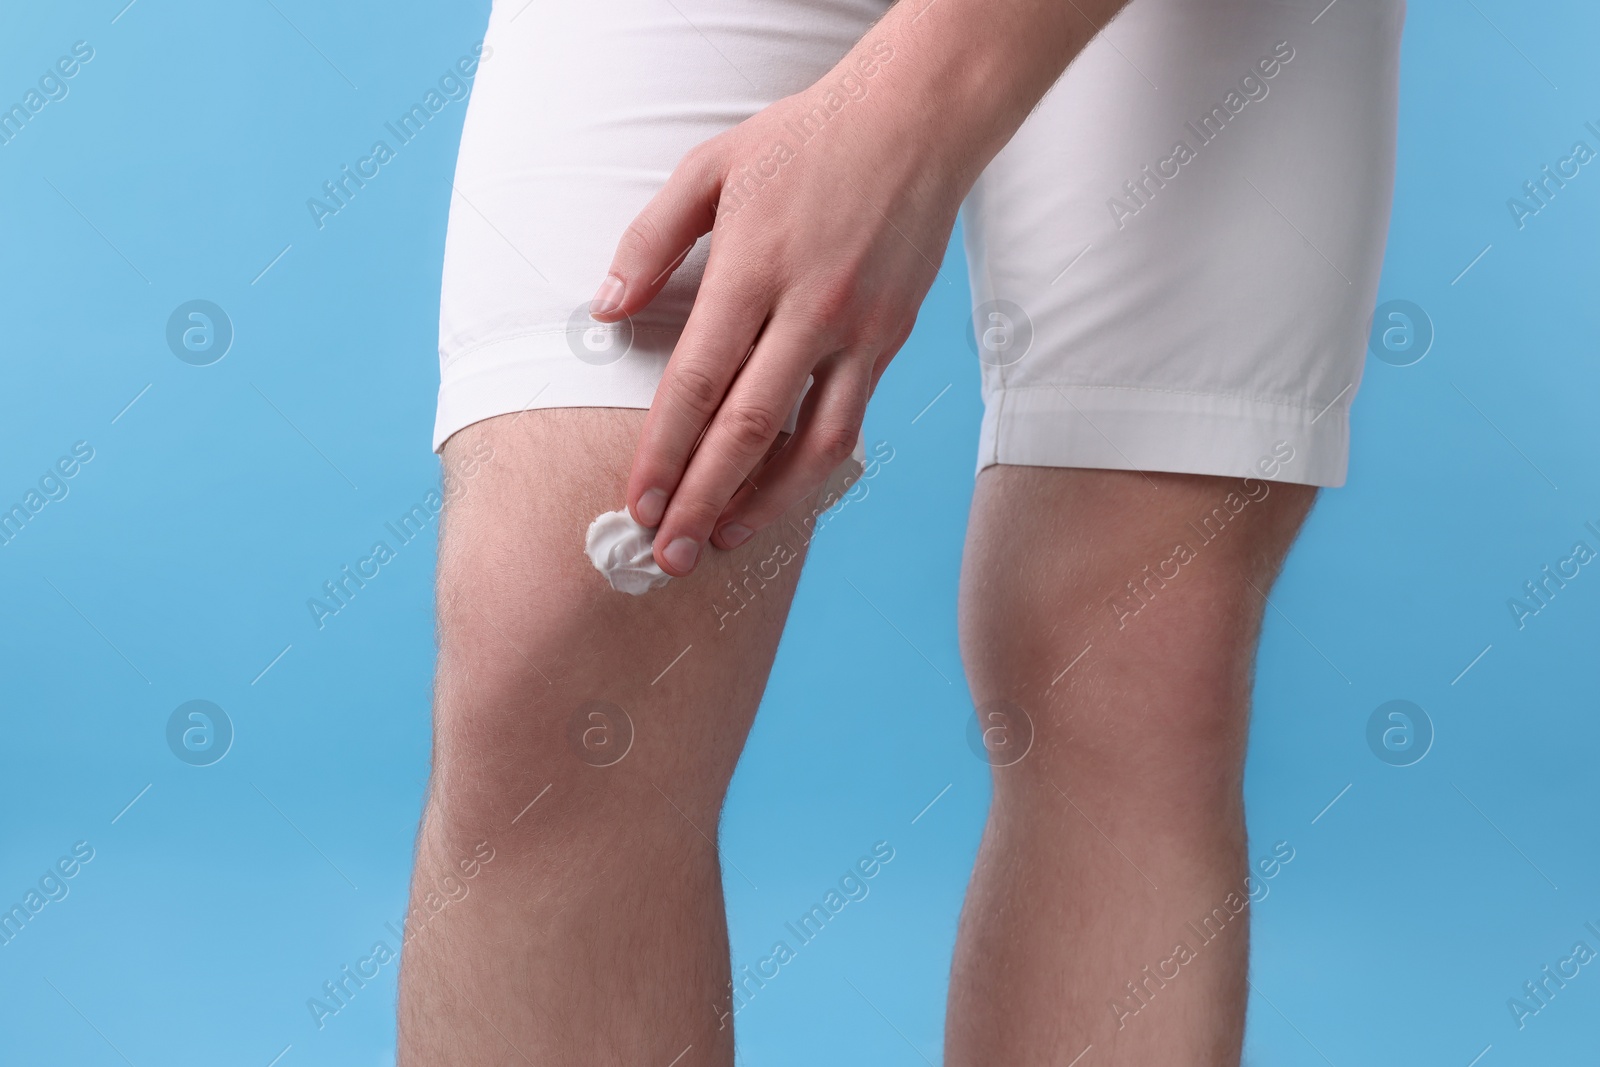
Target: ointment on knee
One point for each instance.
(621, 549)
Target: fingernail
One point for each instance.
(608, 298)
(682, 553)
(735, 534)
(652, 505)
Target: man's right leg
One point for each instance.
(596, 932)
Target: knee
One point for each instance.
(1129, 656)
(549, 735)
(550, 683)
(534, 741)
(1162, 699)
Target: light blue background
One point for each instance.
(179, 565)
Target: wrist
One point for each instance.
(949, 81)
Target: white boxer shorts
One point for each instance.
(1173, 262)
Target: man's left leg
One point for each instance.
(1119, 667)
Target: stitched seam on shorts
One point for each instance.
(481, 345)
(1173, 392)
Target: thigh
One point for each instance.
(1183, 242)
(547, 673)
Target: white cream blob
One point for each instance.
(619, 548)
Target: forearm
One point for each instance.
(963, 74)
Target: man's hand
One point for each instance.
(828, 223)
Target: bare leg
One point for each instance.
(1124, 823)
(595, 934)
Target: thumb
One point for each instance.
(662, 235)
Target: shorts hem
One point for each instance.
(538, 369)
(1129, 428)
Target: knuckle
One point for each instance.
(874, 325)
(882, 325)
(834, 441)
(901, 334)
(642, 238)
(828, 308)
(745, 277)
(701, 158)
(833, 299)
(693, 161)
(696, 389)
(695, 516)
(752, 426)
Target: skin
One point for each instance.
(597, 933)
(1124, 822)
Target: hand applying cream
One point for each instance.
(621, 549)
